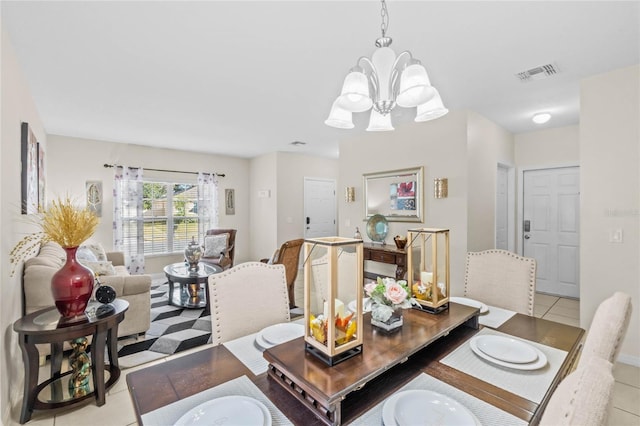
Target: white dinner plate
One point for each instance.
(352, 305)
(425, 407)
(227, 410)
(537, 364)
(506, 349)
(470, 302)
(280, 333)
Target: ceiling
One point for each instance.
(246, 78)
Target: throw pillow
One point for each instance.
(97, 250)
(215, 244)
(84, 254)
(101, 267)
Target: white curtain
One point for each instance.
(128, 220)
(207, 202)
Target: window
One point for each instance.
(170, 216)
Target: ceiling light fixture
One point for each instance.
(541, 117)
(382, 82)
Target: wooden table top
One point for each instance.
(156, 386)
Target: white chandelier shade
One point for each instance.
(379, 122)
(382, 82)
(431, 109)
(355, 93)
(339, 117)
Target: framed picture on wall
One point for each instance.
(229, 201)
(41, 177)
(94, 196)
(30, 183)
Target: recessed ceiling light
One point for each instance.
(541, 118)
(298, 143)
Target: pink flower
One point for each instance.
(395, 293)
(369, 288)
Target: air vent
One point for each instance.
(538, 73)
(298, 143)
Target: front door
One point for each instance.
(551, 226)
(319, 207)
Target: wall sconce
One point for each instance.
(440, 187)
(350, 194)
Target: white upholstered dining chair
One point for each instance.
(583, 397)
(247, 298)
(502, 279)
(608, 328)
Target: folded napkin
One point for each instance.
(495, 317)
(529, 384)
(170, 414)
(485, 412)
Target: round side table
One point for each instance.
(193, 292)
(48, 327)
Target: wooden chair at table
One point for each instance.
(288, 255)
(583, 397)
(607, 330)
(247, 298)
(502, 279)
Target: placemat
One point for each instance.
(495, 317)
(531, 385)
(249, 353)
(486, 413)
(244, 348)
(170, 414)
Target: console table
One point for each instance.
(386, 254)
(47, 326)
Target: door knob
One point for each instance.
(527, 236)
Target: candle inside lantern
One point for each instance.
(339, 308)
(426, 277)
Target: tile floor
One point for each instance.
(118, 411)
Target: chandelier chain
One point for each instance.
(384, 14)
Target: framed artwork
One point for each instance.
(395, 194)
(41, 177)
(93, 190)
(30, 183)
(229, 201)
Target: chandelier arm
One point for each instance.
(394, 86)
(372, 77)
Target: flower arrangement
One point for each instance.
(63, 222)
(386, 295)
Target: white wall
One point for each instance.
(292, 169)
(73, 161)
(17, 106)
(488, 145)
(548, 147)
(264, 209)
(283, 174)
(440, 146)
(610, 195)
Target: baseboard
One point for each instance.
(628, 359)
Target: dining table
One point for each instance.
(430, 352)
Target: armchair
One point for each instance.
(219, 247)
(288, 255)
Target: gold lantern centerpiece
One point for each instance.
(333, 302)
(428, 268)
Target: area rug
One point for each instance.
(173, 329)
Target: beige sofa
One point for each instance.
(135, 289)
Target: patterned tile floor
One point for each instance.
(118, 411)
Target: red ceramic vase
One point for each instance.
(72, 286)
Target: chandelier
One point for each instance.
(383, 82)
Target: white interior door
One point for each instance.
(319, 208)
(551, 214)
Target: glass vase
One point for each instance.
(390, 325)
(72, 286)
